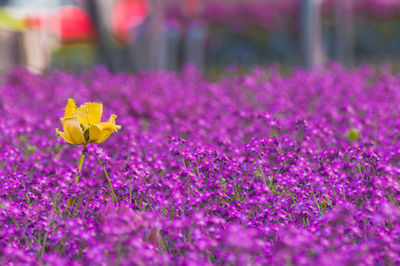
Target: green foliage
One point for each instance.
(353, 135)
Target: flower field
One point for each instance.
(253, 169)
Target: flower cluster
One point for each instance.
(256, 169)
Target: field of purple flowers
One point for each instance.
(252, 169)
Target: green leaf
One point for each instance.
(353, 135)
(71, 202)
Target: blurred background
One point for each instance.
(137, 35)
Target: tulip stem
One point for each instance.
(110, 184)
(80, 163)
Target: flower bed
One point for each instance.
(255, 169)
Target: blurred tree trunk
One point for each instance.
(156, 35)
(195, 43)
(172, 40)
(37, 50)
(311, 33)
(344, 32)
(104, 41)
(11, 49)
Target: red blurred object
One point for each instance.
(34, 22)
(126, 15)
(72, 24)
(193, 8)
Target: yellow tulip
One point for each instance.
(83, 125)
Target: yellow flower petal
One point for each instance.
(112, 121)
(70, 108)
(63, 135)
(72, 130)
(95, 133)
(95, 111)
(107, 128)
(82, 114)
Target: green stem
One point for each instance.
(80, 163)
(373, 170)
(263, 175)
(109, 183)
(28, 242)
(316, 202)
(45, 240)
(184, 164)
(247, 173)
(280, 198)
(359, 169)
(333, 189)
(130, 191)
